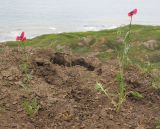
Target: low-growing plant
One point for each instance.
(158, 124)
(121, 90)
(156, 83)
(24, 67)
(31, 107)
(26, 88)
(27, 78)
(136, 95)
(2, 109)
(1, 50)
(100, 88)
(148, 67)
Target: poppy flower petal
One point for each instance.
(24, 39)
(22, 35)
(133, 12)
(18, 38)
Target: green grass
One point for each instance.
(139, 34)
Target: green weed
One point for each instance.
(99, 87)
(156, 83)
(121, 90)
(2, 109)
(158, 124)
(31, 107)
(24, 67)
(136, 95)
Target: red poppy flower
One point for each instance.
(21, 37)
(133, 12)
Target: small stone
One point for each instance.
(5, 73)
(111, 117)
(155, 73)
(14, 125)
(60, 47)
(7, 105)
(151, 44)
(14, 103)
(110, 50)
(19, 110)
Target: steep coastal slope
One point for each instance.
(52, 82)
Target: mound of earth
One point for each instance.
(64, 87)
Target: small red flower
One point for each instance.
(21, 37)
(133, 12)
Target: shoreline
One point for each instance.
(52, 30)
(89, 29)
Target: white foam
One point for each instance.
(93, 27)
(98, 27)
(90, 28)
(112, 27)
(13, 34)
(32, 33)
(52, 28)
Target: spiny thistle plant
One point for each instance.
(123, 61)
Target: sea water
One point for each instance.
(37, 17)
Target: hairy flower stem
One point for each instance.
(123, 61)
(130, 25)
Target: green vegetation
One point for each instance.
(2, 109)
(136, 95)
(100, 88)
(31, 107)
(24, 67)
(158, 125)
(156, 83)
(121, 90)
(123, 59)
(106, 42)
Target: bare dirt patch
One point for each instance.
(64, 87)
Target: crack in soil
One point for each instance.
(66, 60)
